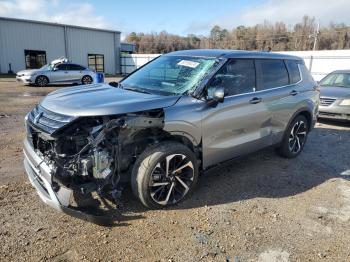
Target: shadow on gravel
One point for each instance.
(263, 174)
(266, 175)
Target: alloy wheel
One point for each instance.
(297, 137)
(41, 81)
(87, 80)
(171, 179)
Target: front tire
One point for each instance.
(41, 81)
(164, 175)
(295, 137)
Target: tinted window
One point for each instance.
(293, 69)
(237, 76)
(74, 67)
(273, 74)
(61, 67)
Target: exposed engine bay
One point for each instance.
(95, 154)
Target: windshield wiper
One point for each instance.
(135, 89)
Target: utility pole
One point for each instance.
(315, 35)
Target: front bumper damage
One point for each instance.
(79, 165)
(39, 174)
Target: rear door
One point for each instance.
(239, 125)
(74, 73)
(278, 90)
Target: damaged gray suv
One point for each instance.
(165, 123)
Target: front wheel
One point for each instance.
(41, 81)
(295, 137)
(164, 174)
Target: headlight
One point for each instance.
(345, 102)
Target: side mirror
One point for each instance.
(114, 84)
(219, 94)
(54, 69)
(216, 95)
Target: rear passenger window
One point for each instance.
(273, 74)
(293, 69)
(73, 67)
(237, 76)
(306, 73)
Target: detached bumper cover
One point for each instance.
(39, 174)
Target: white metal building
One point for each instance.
(26, 44)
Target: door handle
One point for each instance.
(66, 72)
(294, 93)
(255, 100)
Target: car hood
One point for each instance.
(102, 99)
(335, 92)
(28, 72)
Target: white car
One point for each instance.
(57, 72)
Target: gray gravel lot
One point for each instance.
(257, 208)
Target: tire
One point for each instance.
(41, 81)
(149, 181)
(295, 137)
(86, 80)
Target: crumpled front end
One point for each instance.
(74, 161)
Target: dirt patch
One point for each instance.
(257, 208)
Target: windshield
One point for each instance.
(46, 67)
(170, 75)
(336, 79)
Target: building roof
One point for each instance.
(57, 24)
(216, 53)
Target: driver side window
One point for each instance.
(61, 67)
(237, 76)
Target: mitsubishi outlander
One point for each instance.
(157, 129)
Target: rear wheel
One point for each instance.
(86, 80)
(295, 137)
(41, 81)
(164, 175)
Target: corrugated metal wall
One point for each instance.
(83, 42)
(17, 36)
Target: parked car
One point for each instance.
(335, 95)
(57, 72)
(178, 115)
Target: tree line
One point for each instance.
(266, 36)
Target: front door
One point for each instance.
(59, 74)
(239, 125)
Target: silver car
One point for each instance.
(62, 73)
(335, 95)
(161, 126)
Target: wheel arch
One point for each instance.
(48, 80)
(304, 111)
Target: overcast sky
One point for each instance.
(179, 17)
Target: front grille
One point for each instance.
(325, 101)
(46, 120)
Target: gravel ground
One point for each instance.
(257, 208)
